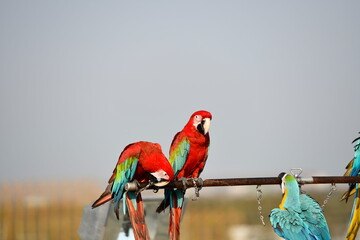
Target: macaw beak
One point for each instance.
(161, 183)
(282, 176)
(204, 126)
(356, 139)
(160, 178)
(283, 187)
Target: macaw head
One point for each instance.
(290, 191)
(288, 183)
(154, 162)
(162, 177)
(201, 121)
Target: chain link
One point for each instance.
(197, 189)
(296, 172)
(332, 190)
(258, 198)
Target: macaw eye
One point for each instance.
(197, 117)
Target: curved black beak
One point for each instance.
(201, 128)
(355, 139)
(204, 126)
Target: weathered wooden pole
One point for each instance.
(245, 181)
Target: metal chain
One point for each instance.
(332, 190)
(296, 172)
(197, 194)
(197, 187)
(258, 198)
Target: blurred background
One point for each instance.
(80, 80)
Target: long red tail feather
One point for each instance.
(137, 218)
(105, 197)
(174, 224)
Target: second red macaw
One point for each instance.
(141, 161)
(188, 155)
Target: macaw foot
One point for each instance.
(197, 187)
(150, 183)
(184, 182)
(197, 182)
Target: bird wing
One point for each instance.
(179, 152)
(290, 225)
(313, 216)
(122, 174)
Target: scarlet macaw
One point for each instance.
(353, 169)
(188, 155)
(141, 161)
(299, 217)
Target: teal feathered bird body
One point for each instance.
(299, 217)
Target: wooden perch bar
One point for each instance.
(132, 186)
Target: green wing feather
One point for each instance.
(125, 172)
(178, 153)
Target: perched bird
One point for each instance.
(188, 155)
(299, 216)
(143, 162)
(353, 169)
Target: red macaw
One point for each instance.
(188, 155)
(141, 161)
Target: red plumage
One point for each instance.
(137, 218)
(199, 144)
(138, 161)
(174, 221)
(188, 155)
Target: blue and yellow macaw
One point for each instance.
(353, 169)
(299, 217)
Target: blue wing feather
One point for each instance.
(313, 216)
(290, 226)
(177, 159)
(179, 154)
(125, 172)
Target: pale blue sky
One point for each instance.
(79, 80)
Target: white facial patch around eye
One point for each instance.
(160, 174)
(197, 120)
